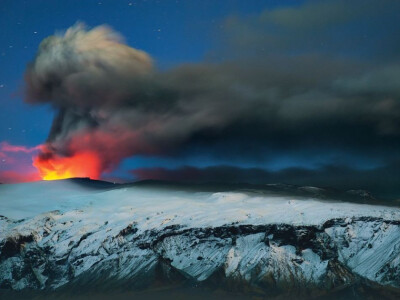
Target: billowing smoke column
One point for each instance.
(88, 76)
(112, 104)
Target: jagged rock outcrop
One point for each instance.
(50, 251)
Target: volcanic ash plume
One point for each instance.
(111, 104)
(89, 77)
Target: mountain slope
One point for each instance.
(137, 237)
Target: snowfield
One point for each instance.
(54, 234)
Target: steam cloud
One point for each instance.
(112, 101)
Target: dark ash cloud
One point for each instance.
(282, 92)
(360, 28)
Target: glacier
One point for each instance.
(64, 233)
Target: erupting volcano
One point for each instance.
(52, 167)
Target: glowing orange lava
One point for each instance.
(85, 164)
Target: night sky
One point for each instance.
(301, 92)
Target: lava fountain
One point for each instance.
(83, 164)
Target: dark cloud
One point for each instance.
(359, 28)
(382, 182)
(111, 100)
(314, 16)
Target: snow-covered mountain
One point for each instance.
(76, 233)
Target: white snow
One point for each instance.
(83, 226)
(157, 208)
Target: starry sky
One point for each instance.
(302, 92)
